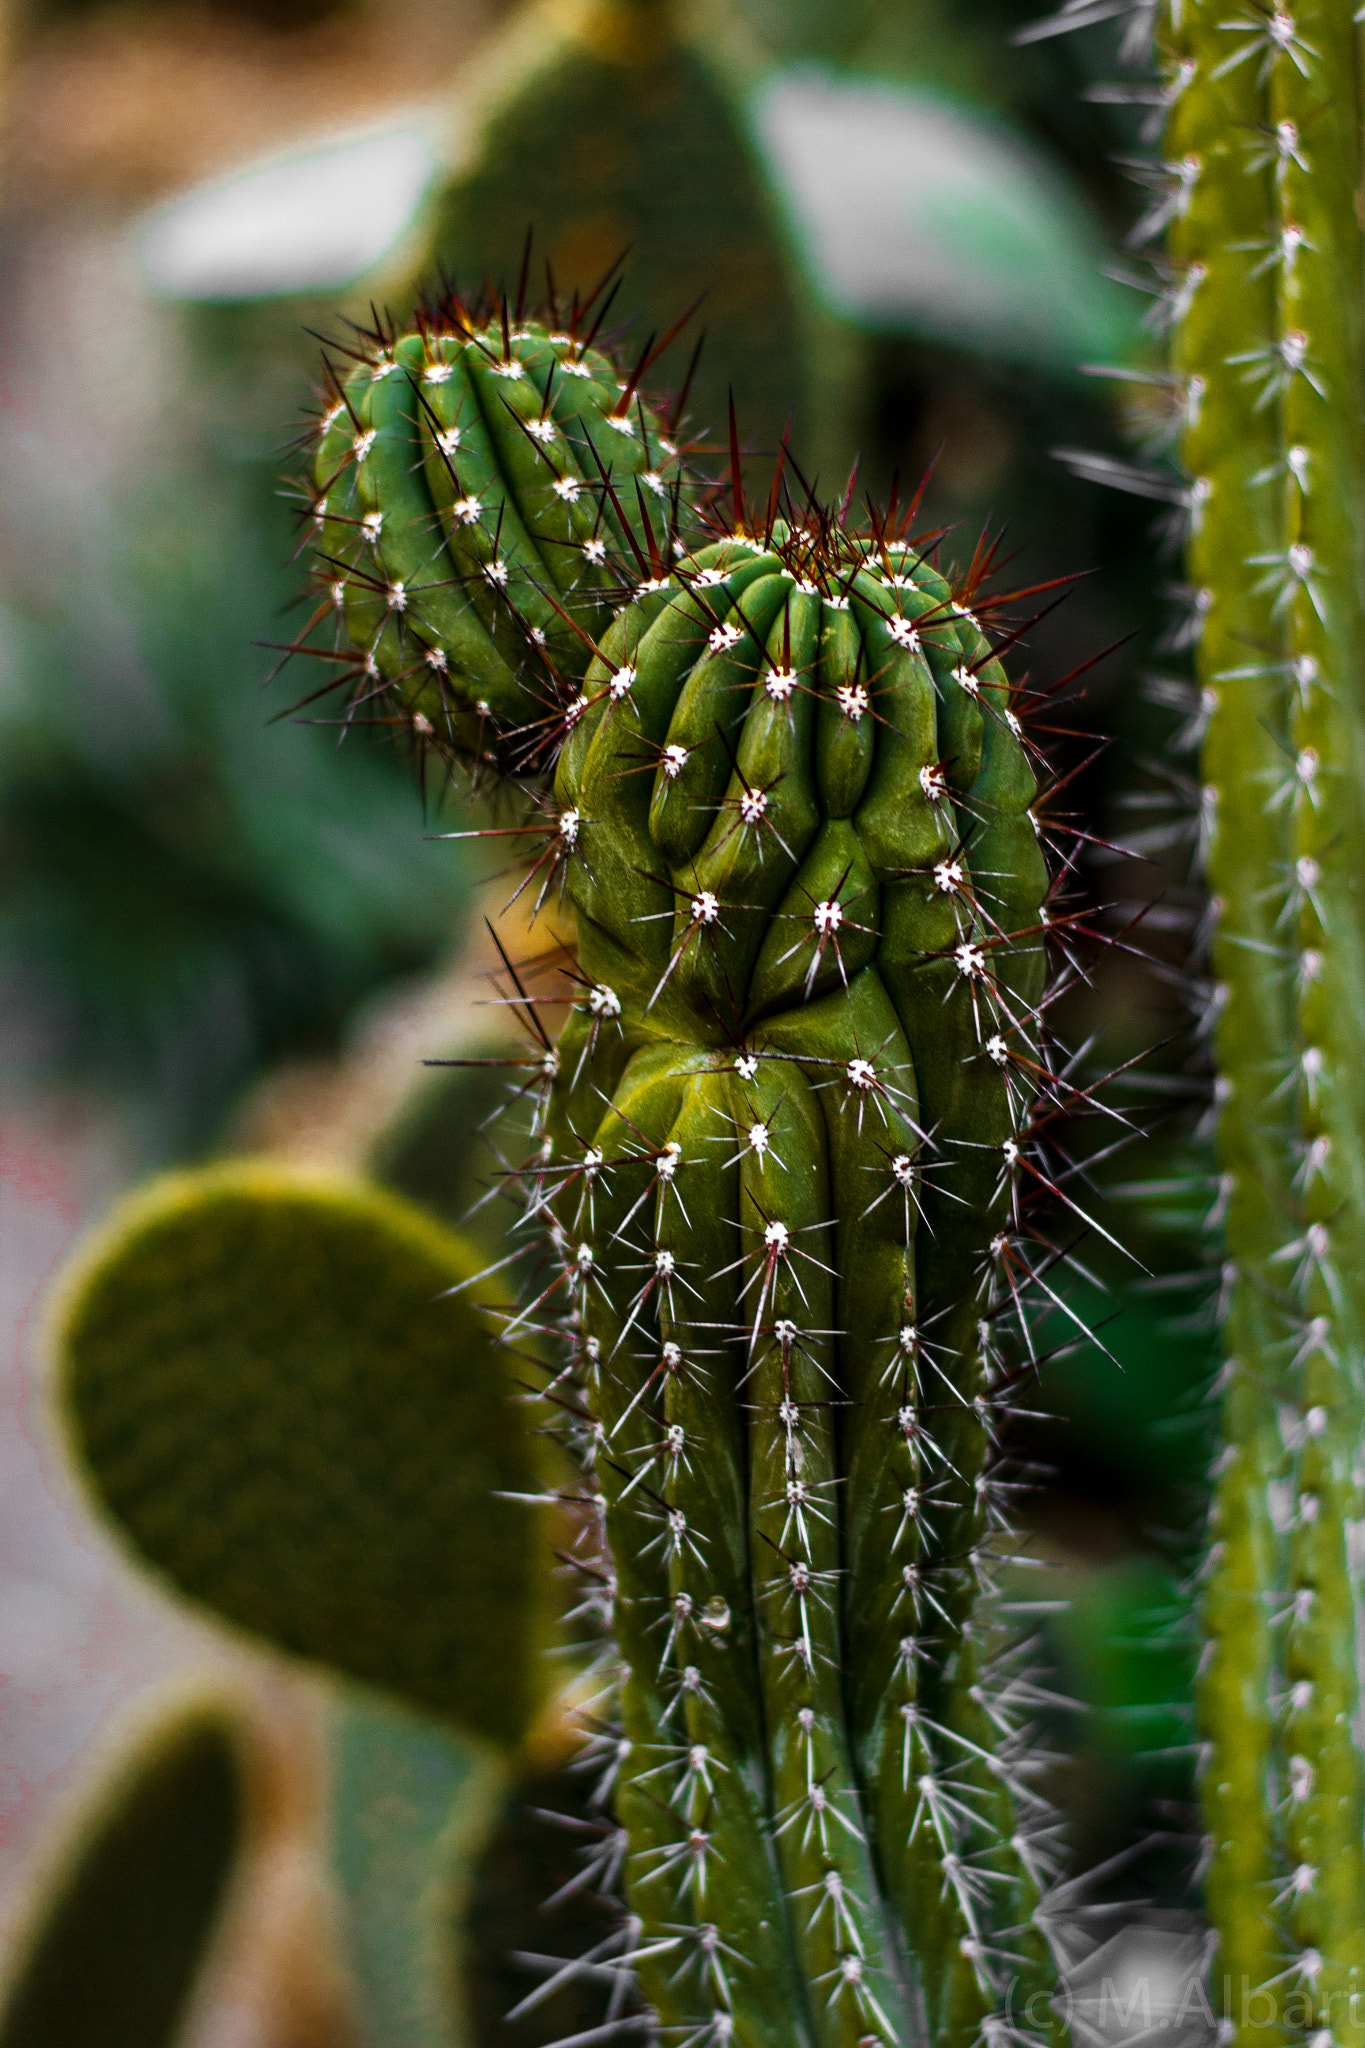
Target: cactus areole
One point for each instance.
(782, 1178)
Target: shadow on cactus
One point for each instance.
(796, 1131)
(290, 1400)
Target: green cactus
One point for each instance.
(1230, 436)
(477, 487)
(1263, 138)
(785, 1167)
(809, 894)
(1258, 192)
(282, 1392)
(118, 1937)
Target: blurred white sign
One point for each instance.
(303, 223)
(919, 214)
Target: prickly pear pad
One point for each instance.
(794, 817)
(281, 1390)
(482, 486)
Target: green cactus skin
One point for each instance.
(478, 485)
(1227, 438)
(1265, 245)
(410, 1810)
(783, 1149)
(1314, 92)
(281, 1390)
(120, 1934)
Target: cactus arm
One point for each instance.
(1314, 94)
(475, 485)
(1224, 332)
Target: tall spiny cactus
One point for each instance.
(791, 1130)
(1263, 140)
(1261, 163)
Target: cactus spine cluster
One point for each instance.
(792, 1130)
(1261, 291)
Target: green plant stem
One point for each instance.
(1225, 338)
(1315, 255)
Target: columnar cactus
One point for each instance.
(1266, 243)
(791, 1130)
(780, 1144)
(1261, 292)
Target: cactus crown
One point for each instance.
(484, 488)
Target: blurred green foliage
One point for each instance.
(189, 886)
(116, 1940)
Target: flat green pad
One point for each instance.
(116, 1944)
(622, 139)
(278, 1399)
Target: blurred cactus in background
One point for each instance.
(615, 135)
(116, 1939)
(324, 1510)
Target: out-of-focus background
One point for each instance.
(219, 929)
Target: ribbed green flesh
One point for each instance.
(794, 815)
(475, 495)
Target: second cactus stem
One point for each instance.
(1262, 149)
(793, 1131)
